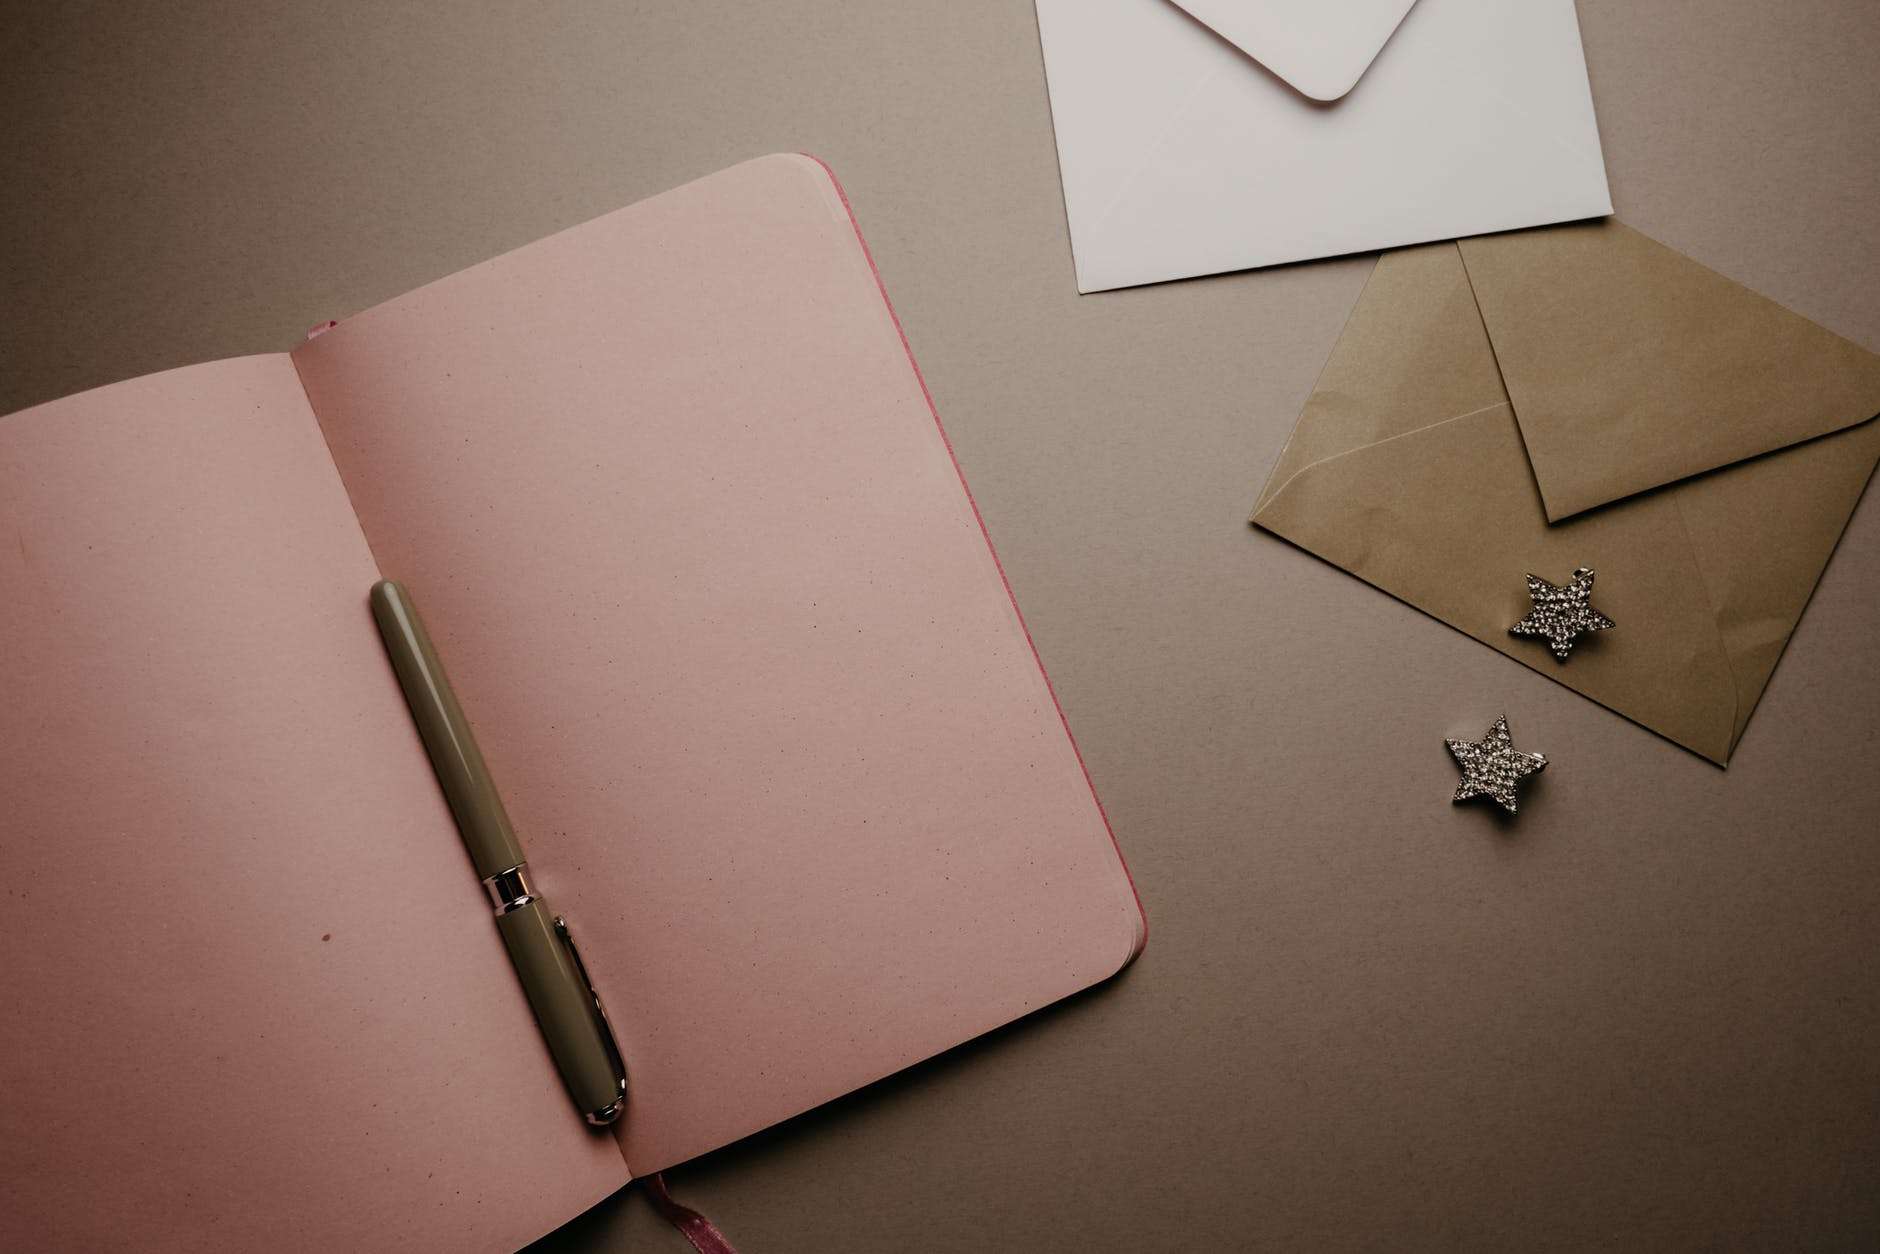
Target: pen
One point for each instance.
(546, 961)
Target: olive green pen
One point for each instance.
(565, 1004)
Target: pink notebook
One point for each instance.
(677, 508)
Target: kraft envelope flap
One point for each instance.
(1631, 366)
(1320, 50)
(1407, 469)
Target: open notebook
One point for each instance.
(691, 542)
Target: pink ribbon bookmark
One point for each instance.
(694, 1227)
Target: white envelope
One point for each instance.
(1185, 154)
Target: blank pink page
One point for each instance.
(669, 491)
(252, 996)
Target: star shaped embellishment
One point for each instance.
(1561, 615)
(1492, 766)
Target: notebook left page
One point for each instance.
(253, 1000)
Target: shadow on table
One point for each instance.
(600, 1228)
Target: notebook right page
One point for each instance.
(671, 495)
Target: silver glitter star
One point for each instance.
(1492, 766)
(1561, 615)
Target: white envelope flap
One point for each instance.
(1320, 47)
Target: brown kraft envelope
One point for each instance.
(1585, 396)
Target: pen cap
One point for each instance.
(556, 985)
(455, 757)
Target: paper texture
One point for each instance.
(689, 539)
(1319, 49)
(1180, 156)
(252, 1002)
(1407, 467)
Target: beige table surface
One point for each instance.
(1646, 1017)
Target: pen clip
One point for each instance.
(607, 1115)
